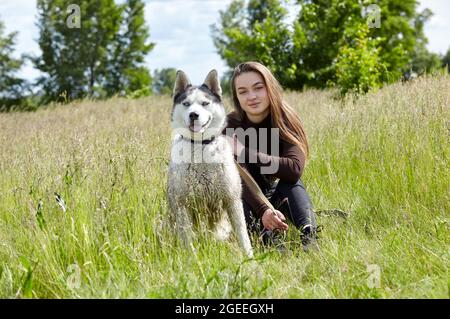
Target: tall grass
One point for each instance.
(384, 158)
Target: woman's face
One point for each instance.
(252, 94)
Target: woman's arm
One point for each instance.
(256, 204)
(271, 219)
(290, 163)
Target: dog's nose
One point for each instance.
(193, 116)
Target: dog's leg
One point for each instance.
(223, 228)
(237, 218)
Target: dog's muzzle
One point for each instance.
(195, 125)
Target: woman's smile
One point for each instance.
(254, 105)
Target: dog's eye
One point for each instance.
(186, 103)
(205, 103)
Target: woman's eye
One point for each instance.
(205, 103)
(259, 88)
(186, 103)
(242, 92)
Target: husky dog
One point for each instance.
(204, 187)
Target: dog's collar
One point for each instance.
(204, 142)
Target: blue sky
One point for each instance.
(181, 31)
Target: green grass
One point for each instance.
(384, 158)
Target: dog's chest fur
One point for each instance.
(199, 181)
(206, 180)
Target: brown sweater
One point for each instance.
(290, 162)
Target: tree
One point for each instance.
(307, 52)
(11, 87)
(126, 71)
(358, 64)
(320, 27)
(325, 22)
(403, 40)
(256, 31)
(74, 59)
(423, 60)
(102, 57)
(446, 60)
(164, 81)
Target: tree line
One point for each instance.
(97, 48)
(355, 45)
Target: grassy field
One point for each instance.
(384, 159)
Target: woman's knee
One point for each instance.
(300, 206)
(296, 189)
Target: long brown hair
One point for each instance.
(283, 115)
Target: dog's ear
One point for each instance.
(181, 83)
(213, 83)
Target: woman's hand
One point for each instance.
(274, 220)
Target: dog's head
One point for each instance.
(198, 112)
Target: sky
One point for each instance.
(181, 31)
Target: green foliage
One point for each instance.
(11, 87)
(358, 65)
(306, 53)
(397, 34)
(103, 57)
(422, 60)
(255, 32)
(74, 59)
(164, 81)
(446, 60)
(145, 91)
(126, 72)
(321, 27)
(326, 25)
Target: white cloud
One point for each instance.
(19, 15)
(437, 29)
(438, 21)
(181, 30)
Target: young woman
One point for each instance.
(258, 105)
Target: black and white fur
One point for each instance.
(204, 187)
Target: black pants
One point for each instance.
(290, 199)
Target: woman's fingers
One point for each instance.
(282, 225)
(280, 215)
(279, 223)
(273, 224)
